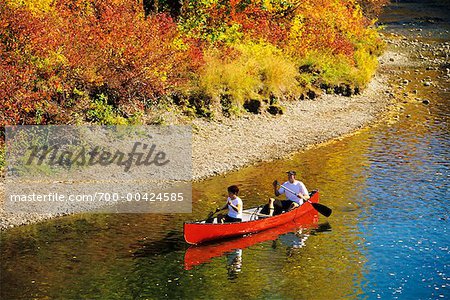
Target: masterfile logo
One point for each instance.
(66, 169)
(97, 156)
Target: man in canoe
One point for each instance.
(296, 193)
(234, 205)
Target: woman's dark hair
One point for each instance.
(233, 189)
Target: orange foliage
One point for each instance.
(20, 99)
(331, 26)
(88, 47)
(210, 20)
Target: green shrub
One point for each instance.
(323, 69)
(101, 112)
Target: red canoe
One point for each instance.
(200, 232)
(199, 254)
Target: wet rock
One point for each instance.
(273, 99)
(253, 106)
(312, 94)
(275, 110)
(345, 90)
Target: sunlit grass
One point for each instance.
(259, 72)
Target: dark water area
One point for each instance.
(406, 17)
(387, 238)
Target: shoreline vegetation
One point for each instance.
(276, 76)
(124, 62)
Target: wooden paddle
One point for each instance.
(255, 214)
(212, 213)
(324, 210)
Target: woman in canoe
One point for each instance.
(234, 205)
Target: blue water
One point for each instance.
(406, 226)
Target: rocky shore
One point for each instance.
(231, 144)
(228, 144)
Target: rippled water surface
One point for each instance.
(387, 238)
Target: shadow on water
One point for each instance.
(173, 241)
(323, 227)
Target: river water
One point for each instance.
(387, 238)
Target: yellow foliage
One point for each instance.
(366, 67)
(35, 6)
(179, 44)
(53, 60)
(231, 34)
(267, 5)
(297, 28)
(236, 78)
(261, 70)
(333, 70)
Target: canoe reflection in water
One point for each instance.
(293, 240)
(296, 237)
(234, 263)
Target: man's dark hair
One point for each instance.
(233, 189)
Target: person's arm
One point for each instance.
(236, 208)
(303, 194)
(222, 208)
(275, 190)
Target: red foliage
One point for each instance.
(20, 99)
(255, 21)
(318, 36)
(94, 47)
(259, 23)
(131, 58)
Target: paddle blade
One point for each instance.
(324, 210)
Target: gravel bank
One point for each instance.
(235, 143)
(229, 144)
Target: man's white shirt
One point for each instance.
(298, 187)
